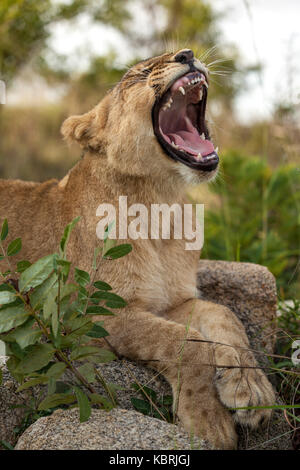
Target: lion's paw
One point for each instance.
(238, 388)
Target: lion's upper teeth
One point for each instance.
(202, 136)
(205, 83)
(199, 156)
(181, 89)
(217, 149)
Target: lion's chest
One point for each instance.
(168, 275)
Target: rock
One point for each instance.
(10, 418)
(249, 290)
(117, 430)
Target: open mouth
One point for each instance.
(179, 123)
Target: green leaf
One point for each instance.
(7, 445)
(68, 289)
(4, 230)
(113, 299)
(84, 404)
(83, 351)
(98, 310)
(103, 356)
(51, 401)
(26, 335)
(32, 383)
(36, 273)
(14, 247)
(78, 327)
(22, 265)
(7, 287)
(62, 387)
(118, 251)
(65, 268)
(82, 277)
(167, 400)
(56, 370)
(144, 390)
(54, 323)
(12, 365)
(100, 399)
(11, 317)
(41, 292)
(141, 405)
(7, 297)
(37, 356)
(102, 285)
(97, 251)
(67, 232)
(87, 370)
(97, 332)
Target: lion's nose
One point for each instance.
(184, 57)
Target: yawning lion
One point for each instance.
(148, 139)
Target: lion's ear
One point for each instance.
(87, 129)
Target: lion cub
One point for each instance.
(147, 140)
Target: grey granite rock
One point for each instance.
(10, 418)
(249, 290)
(117, 430)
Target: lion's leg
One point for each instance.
(242, 385)
(140, 335)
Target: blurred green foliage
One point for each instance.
(258, 219)
(24, 27)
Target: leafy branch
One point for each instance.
(46, 323)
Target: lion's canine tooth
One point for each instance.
(217, 149)
(205, 83)
(181, 89)
(202, 136)
(200, 94)
(199, 156)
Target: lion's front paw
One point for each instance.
(246, 387)
(203, 415)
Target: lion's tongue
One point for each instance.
(177, 127)
(191, 143)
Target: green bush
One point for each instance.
(47, 325)
(258, 220)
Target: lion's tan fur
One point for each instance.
(158, 278)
